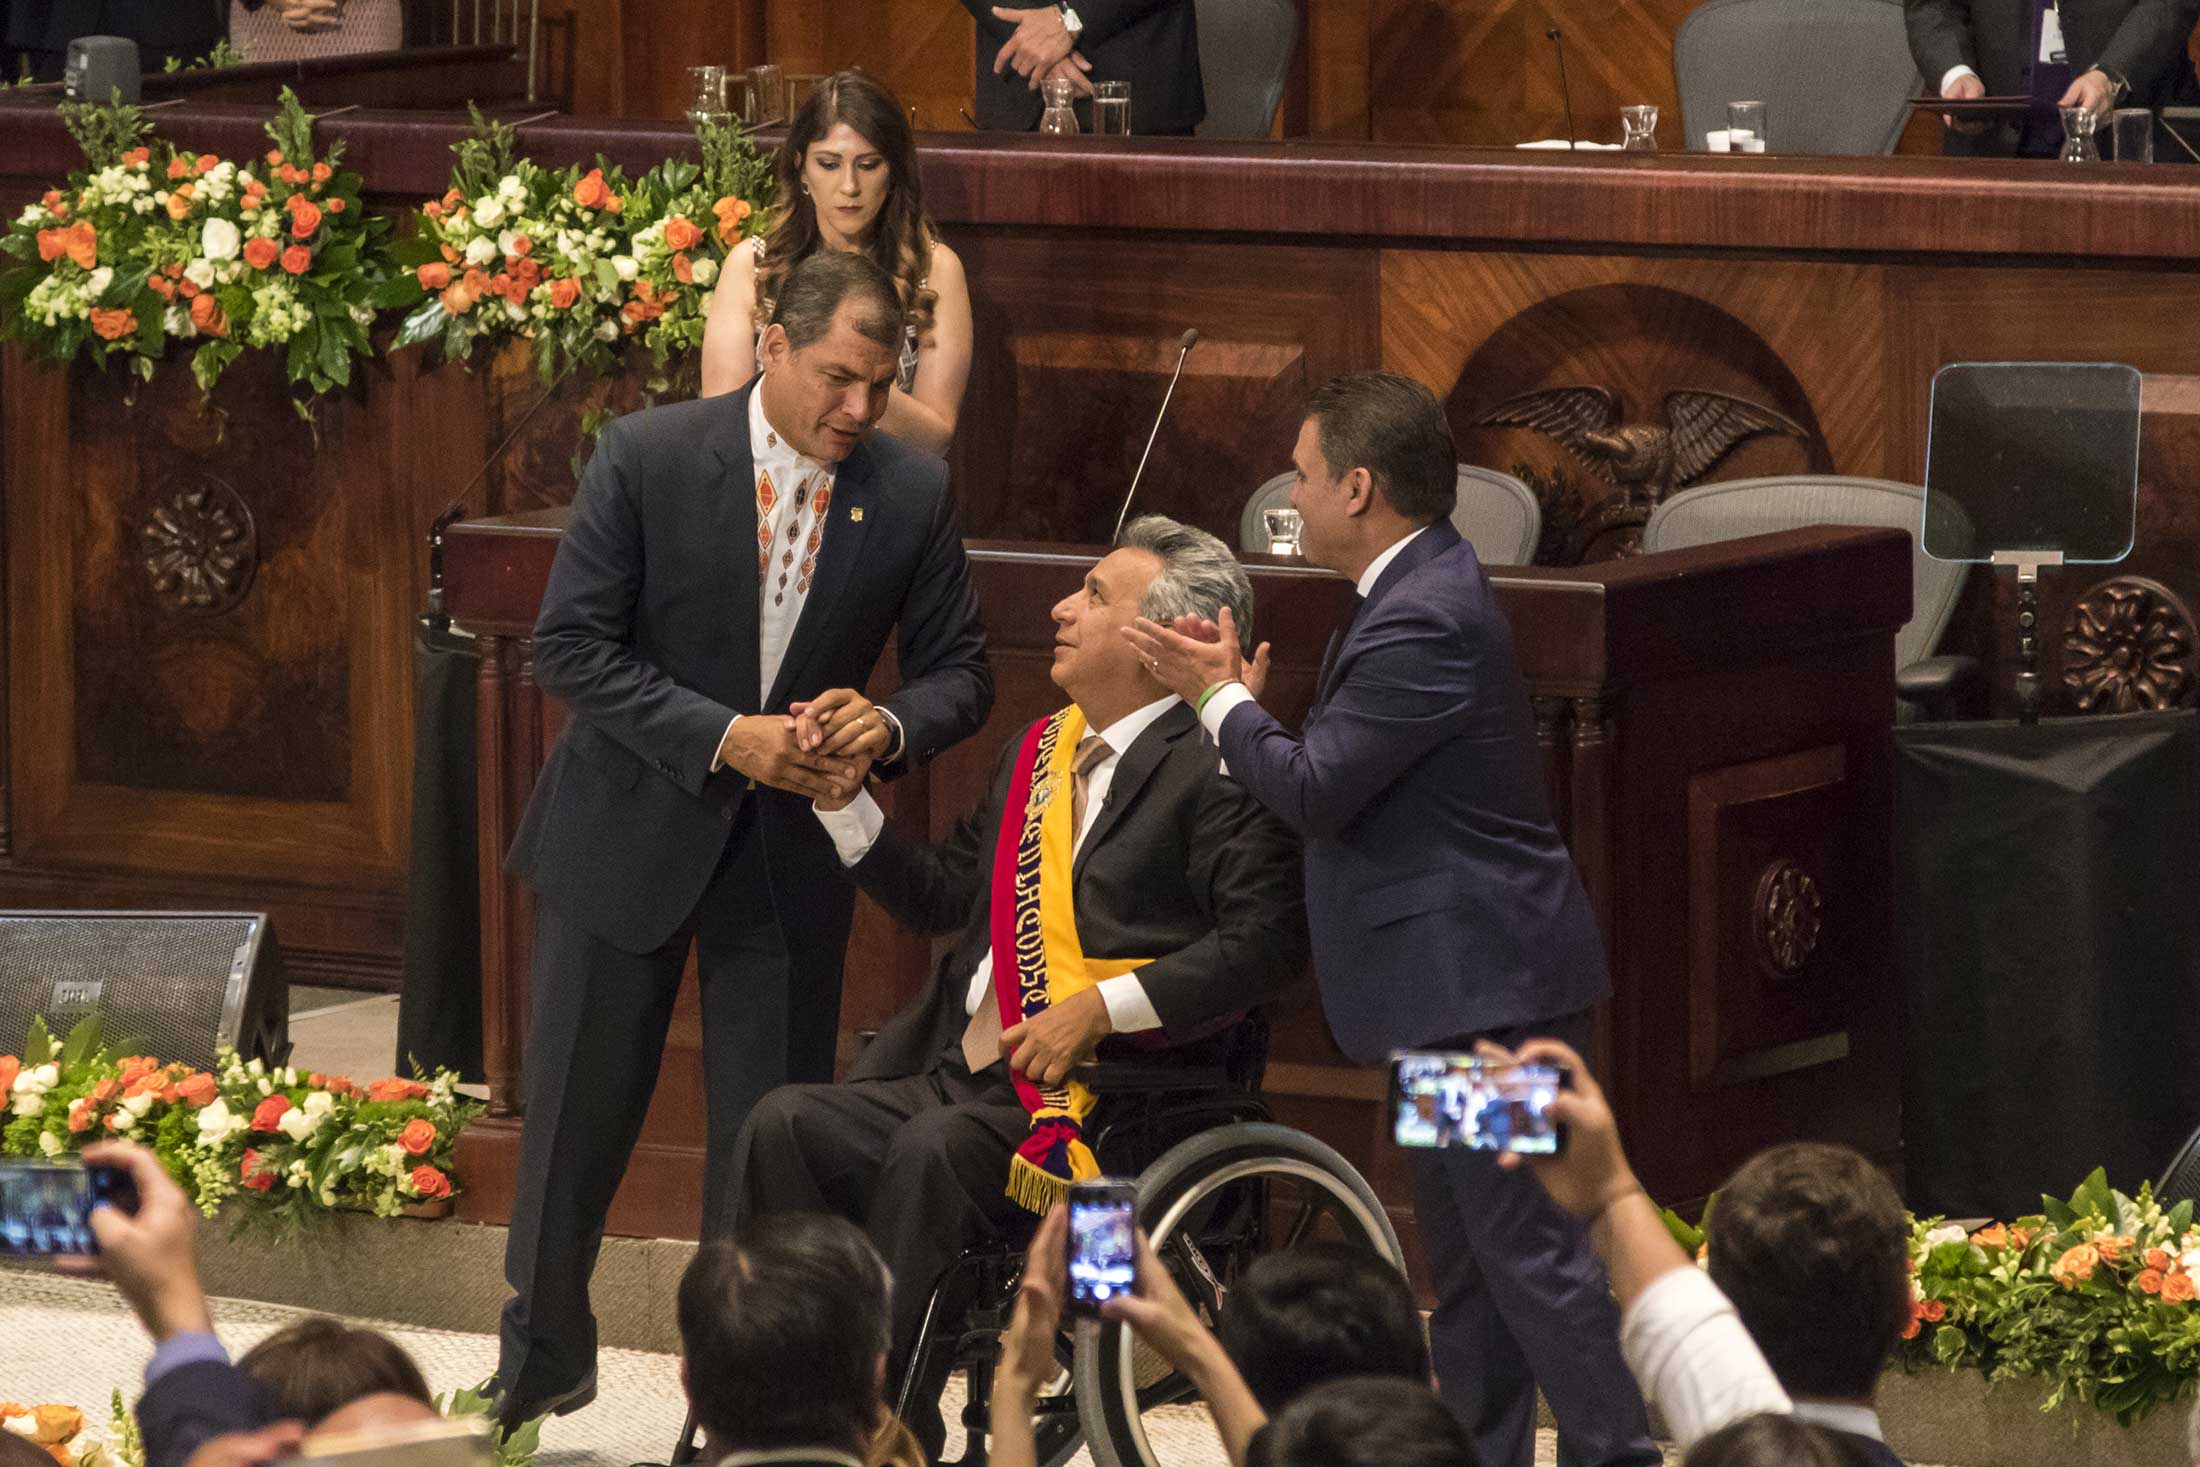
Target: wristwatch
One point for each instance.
(1070, 22)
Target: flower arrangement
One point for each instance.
(579, 261)
(151, 245)
(288, 1143)
(60, 1432)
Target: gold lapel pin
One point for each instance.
(855, 512)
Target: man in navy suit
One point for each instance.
(1443, 904)
(733, 568)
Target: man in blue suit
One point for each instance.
(1443, 904)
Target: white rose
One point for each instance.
(606, 331)
(297, 1125)
(25, 1425)
(319, 1103)
(50, 1144)
(626, 266)
(489, 211)
(142, 206)
(220, 240)
(1950, 1233)
(139, 1103)
(216, 1122)
(200, 273)
(704, 271)
(177, 322)
(29, 1104)
(480, 250)
(511, 189)
(99, 281)
(47, 1076)
(32, 215)
(122, 1120)
(506, 240)
(2189, 1261)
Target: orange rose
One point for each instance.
(187, 288)
(2020, 1237)
(564, 292)
(2112, 1249)
(179, 204)
(297, 259)
(396, 1089)
(322, 172)
(10, 1067)
(113, 325)
(451, 255)
(336, 206)
(614, 204)
(522, 246)
(164, 288)
(681, 235)
(270, 1114)
(274, 156)
(452, 198)
(136, 156)
(305, 217)
(253, 1177)
(434, 275)
(288, 174)
(208, 316)
(260, 253)
(197, 1089)
(2149, 1281)
(82, 242)
(2177, 1288)
(2077, 1265)
(418, 1137)
(80, 1115)
(105, 1091)
(177, 168)
(135, 1065)
(208, 162)
(1933, 1311)
(61, 210)
(516, 289)
(682, 270)
(429, 1182)
(1991, 1237)
(1917, 1318)
(592, 192)
(52, 244)
(2158, 1260)
(432, 209)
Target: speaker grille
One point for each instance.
(168, 986)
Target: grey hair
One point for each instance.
(811, 296)
(1199, 576)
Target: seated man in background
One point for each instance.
(1168, 902)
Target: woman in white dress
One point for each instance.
(848, 181)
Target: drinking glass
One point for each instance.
(1745, 127)
(2078, 126)
(1060, 117)
(1283, 530)
(706, 94)
(771, 92)
(799, 86)
(1111, 108)
(2131, 130)
(1638, 129)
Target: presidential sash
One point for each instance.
(1037, 959)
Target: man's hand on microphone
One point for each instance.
(1188, 666)
(763, 747)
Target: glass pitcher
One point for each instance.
(1060, 118)
(1639, 129)
(2078, 145)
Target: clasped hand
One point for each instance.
(1045, 1048)
(1041, 49)
(766, 748)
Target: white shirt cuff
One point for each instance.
(1692, 1356)
(1129, 1010)
(900, 744)
(1954, 73)
(855, 829)
(1219, 706)
(718, 755)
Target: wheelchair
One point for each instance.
(1219, 1185)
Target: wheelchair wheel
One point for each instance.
(1213, 1205)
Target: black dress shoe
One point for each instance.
(514, 1411)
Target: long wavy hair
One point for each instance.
(901, 235)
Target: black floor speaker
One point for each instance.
(173, 985)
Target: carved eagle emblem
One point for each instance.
(1645, 460)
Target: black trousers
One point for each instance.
(920, 1163)
(1522, 1301)
(595, 1034)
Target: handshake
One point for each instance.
(822, 749)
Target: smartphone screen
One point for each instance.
(46, 1206)
(1103, 1243)
(1458, 1100)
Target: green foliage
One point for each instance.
(291, 131)
(105, 130)
(221, 58)
(485, 157)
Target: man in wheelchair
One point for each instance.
(1116, 896)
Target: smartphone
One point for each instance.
(1103, 1243)
(1459, 1100)
(46, 1206)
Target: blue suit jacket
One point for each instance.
(191, 1404)
(1441, 899)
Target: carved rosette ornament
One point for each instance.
(2128, 648)
(201, 547)
(1789, 915)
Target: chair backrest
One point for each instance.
(1496, 514)
(1835, 76)
(1732, 508)
(1244, 53)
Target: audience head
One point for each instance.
(830, 353)
(316, 1366)
(1308, 1315)
(381, 1412)
(1778, 1441)
(798, 1298)
(848, 180)
(19, 1451)
(1375, 450)
(1159, 569)
(1363, 1421)
(1810, 1243)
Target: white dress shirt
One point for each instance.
(1219, 706)
(1693, 1357)
(855, 828)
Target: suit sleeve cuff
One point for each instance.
(190, 1347)
(855, 829)
(718, 755)
(1953, 75)
(1219, 706)
(900, 744)
(1129, 1010)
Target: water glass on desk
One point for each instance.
(1638, 129)
(706, 94)
(1111, 108)
(1060, 117)
(2131, 129)
(2078, 127)
(1745, 127)
(1283, 530)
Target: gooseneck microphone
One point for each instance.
(1565, 92)
(1184, 349)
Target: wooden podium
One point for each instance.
(1716, 731)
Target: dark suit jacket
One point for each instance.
(2142, 41)
(184, 1408)
(1180, 865)
(1152, 44)
(648, 633)
(181, 27)
(1442, 900)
